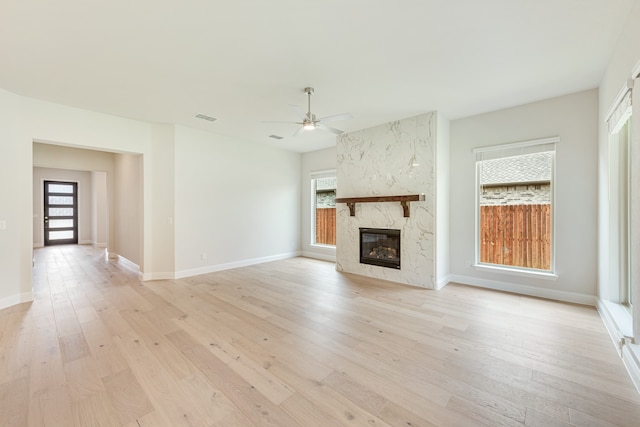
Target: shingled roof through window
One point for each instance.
(519, 169)
(324, 184)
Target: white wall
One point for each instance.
(314, 161)
(25, 120)
(16, 173)
(574, 118)
(443, 137)
(238, 203)
(77, 159)
(85, 208)
(100, 209)
(235, 203)
(119, 227)
(48, 122)
(128, 207)
(161, 232)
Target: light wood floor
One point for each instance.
(294, 343)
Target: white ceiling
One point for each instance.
(245, 61)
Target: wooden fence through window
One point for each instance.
(516, 235)
(326, 226)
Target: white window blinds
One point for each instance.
(621, 109)
(516, 149)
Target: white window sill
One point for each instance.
(621, 317)
(319, 245)
(516, 271)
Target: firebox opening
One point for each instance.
(381, 247)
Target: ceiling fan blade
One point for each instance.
(333, 118)
(299, 112)
(330, 129)
(299, 131)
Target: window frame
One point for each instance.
(514, 148)
(313, 177)
(619, 125)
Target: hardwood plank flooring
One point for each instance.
(295, 343)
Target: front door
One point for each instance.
(60, 213)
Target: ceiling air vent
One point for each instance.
(276, 136)
(205, 117)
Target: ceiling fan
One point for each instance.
(309, 120)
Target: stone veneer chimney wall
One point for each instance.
(397, 158)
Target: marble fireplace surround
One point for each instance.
(394, 159)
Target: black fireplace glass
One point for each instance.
(380, 246)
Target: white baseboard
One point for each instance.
(130, 265)
(631, 359)
(81, 242)
(316, 255)
(12, 300)
(442, 282)
(228, 266)
(526, 290)
(145, 277)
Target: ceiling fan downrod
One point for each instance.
(310, 122)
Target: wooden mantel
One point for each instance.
(404, 201)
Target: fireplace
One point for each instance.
(381, 247)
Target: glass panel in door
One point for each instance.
(60, 213)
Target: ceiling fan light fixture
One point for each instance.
(309, 121)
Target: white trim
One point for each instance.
(313, 176)
(442, 282)
(329, 173)
(316, 255)
(614, 318)
(323, 247)
(128, 264)
(619, 315)
(228, 266)
(552, 294)
(635, 73)
(509, 146)
(506, 147)
(619, 97)
(38, 245)
(155, 276)
(312, 209)
(614, 322)
(16, 299)
(85, 242)
(620, 114)
(631, 360)
(547, 275)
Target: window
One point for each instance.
(323, 190)
(515, 205)
(619, 207)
